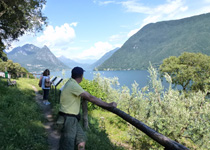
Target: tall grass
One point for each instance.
(20, 118)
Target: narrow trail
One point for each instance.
(53, 135)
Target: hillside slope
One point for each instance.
(157, 41)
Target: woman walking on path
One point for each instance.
(45, 78)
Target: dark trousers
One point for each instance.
(46, 94)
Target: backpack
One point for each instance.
(47, 83)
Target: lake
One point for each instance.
(126, 78)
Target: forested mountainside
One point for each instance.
(157, 41)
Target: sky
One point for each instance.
(87, 29)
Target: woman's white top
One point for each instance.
(43, 81)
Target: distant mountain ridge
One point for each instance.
(157, 41)
(71, 63)
(103, 58)
(36, 59)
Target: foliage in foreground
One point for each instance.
(177, 115)
(20, 118)
(183, 118)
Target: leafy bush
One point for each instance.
(179, 116)
(94, 89)
(14, 68)
(183, 118)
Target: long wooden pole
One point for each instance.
(161, 139)
(85, 114)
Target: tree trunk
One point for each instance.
(85, 114)
(161, 139)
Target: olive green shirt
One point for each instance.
(70, 97)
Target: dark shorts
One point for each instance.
(45, 94)
(71, 134)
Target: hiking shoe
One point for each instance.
(47, 103)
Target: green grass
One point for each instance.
(20, 118)
(114, 126)
(107, 127)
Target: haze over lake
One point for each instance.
(125, 78)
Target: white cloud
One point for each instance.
(28, 38)
(164, 11)
(132, 32)
(106, 2)
(103, 2)
(169, 7)
(205, 9)
(68, 51)
(118, 45)
(74, 24)
(151, 19)
(206, 1)
(58, 36)
(116, 37)
(96, 51)
(133, 6)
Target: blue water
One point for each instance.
(125, 78)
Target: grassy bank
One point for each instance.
(20, 118)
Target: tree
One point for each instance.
(3, 56)
(190, 70)
(12, 68)
(18, 17)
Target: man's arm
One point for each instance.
(97, 101)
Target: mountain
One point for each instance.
(71, 63)
(36, 59)
(86, 61)
(157, 41)
(103, 58)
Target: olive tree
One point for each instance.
(190, 70)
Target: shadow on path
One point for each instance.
(53, 135)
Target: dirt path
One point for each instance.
(53, 135)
